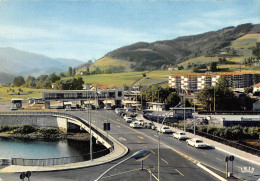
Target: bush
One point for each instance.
(4, 128)
(49, 133)
(24, 129)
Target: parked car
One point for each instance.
(120, 110)
(147, 125)
(135, 124)
(164, 129)
(196, 142)
(128, 119)
(180, 135)
(141, 122)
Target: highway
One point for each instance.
(173, 165)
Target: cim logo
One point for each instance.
(247, 169)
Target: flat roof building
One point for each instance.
(196, 82)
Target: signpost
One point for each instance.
(226, 160)
(231, 158)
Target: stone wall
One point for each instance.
(34, 120)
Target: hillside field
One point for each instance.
(27, 93)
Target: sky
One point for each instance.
(88, 29)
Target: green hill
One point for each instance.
(150, 56)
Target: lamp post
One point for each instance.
(194, 122)
(138, 156)
(89, 115)
(158, 133)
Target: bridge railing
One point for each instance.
(59, 161)
(65, 159)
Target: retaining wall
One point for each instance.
(38, 121)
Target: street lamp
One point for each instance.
(158, 133)
(138, 156)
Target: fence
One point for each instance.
(59, 161)
(63, 160)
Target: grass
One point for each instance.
(128, 78)
(107, 62)
(27, 93)
(199, 60)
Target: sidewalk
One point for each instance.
(219, 146)
(119, 151)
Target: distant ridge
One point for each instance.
(150, 56)
(17, 62)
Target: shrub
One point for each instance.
(26, 129)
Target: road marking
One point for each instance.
(153, 175)
(121, 173)
(218, 159)
(179, 172)
(203, 152)
(146, 147)
(140, 137)
(118, 126)
(156, 135)
(121, 138)
(179, 152)
(164, 161)
(138, 141)
(152, 151)
(238, 167)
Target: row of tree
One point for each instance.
(221, 97)
(224, 98)
(46, 82)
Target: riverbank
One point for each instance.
(40, 133)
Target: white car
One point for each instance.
(128, 119)
(196, 142)
(164, 129)
(180, 135)
(135, 124)
(141, 122)
(147, 125)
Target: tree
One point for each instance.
(74, 72)
(256, 51)
(166, 95)
(173, 99)
(30, 82)
(213, 67)
(73, 84)
(70, 71)
(53, 77)
(18, 81)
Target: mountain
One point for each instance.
(147, 56)
(6, 78)
(17, 62)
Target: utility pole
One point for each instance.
(90, 128)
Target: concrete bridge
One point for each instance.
(66, 122)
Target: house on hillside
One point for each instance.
(171, 68)
(256, 89)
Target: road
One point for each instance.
(173, 166)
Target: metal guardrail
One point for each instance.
(59, 161)
(21, 161)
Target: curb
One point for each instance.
(241, 157)
(211, 172)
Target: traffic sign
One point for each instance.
(28, 174)
(22, 175)
(231, 158)
(227, 158)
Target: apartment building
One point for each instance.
(196, 82)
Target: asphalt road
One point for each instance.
(172, 165)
